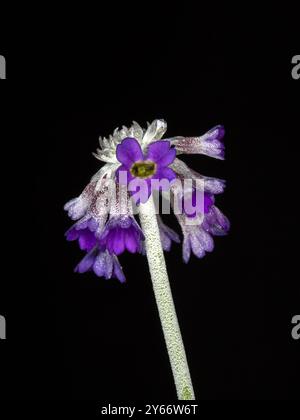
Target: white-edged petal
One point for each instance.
(154, 132)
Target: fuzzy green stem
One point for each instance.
(164, 300)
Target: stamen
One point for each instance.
(143, 169)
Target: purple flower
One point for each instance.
(122, 233)
(215, 222)
(102, 263)
(209, 144)
(198, 237)
(154, 164)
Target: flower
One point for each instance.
(105, 224)
(122, 233)
(198, 237)
(102, 263)
(209, 144)
(153, 165)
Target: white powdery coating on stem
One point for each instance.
(164, 300)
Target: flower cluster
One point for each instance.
(138, 159)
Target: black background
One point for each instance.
(79, 337)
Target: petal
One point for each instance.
(216, 132)
(167, 235)
(136, 131)
(155, 131)
(186, 249)
(166, 243)
(165, 173)
(108, 265)
(197, 246)
(87, 262)
(130, 240)
(129, 151)
(109, 239)
(117, 270)
(72, 234)
(123, 175)
(76, 207)
(118, 242)
(161, 153)
(87, 240)
(205, 239)
(208, 202)
(216, 222)
(99, 265)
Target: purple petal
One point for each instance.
(167, 235)
(129, 151)
(216, 132)
(125, 174)
(109, 240)
(130, 240)
(87, 240)
(117, 270)
(165, 173)
(216, 222)
(208, 202)
(161, 153)
(72, 234)
(87, 262)
(118, 242)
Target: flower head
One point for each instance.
(135, 158)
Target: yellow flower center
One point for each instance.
(143, 169)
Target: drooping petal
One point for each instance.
(186, 249)
(197, 246)
(118, 242)
(129, 151)
(87, 240)
(117, 270)
(76, 207)
(130, 240)
(103, 265)
(87, 262)
(216, 222)
(72, 234)
(205, 239)
(167, 235)
(108, 239)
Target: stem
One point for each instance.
(164, 300)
